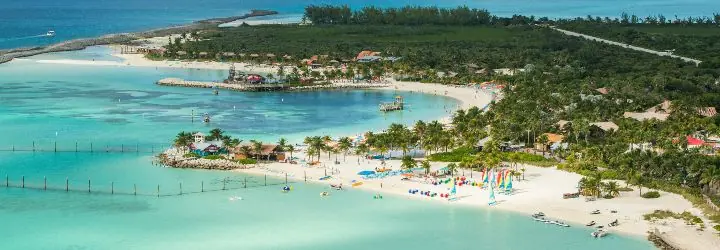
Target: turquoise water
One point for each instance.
(107, 106)
(264, 219)
(22, 23)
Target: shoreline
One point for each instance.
(82, 43)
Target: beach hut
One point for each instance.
(203, 54)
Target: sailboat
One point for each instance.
(508, 186)
(502, 175)
(492, 201)
(453, 191)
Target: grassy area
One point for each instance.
(689, 218)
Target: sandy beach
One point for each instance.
(541, 190)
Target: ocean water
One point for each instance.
(23, 23)
(43, 104)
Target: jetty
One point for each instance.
(249, 87)
(398, 104)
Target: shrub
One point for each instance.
(190, 155)
(213, 157)
(651, 195)
(607, 196)
(717, 227)
(247, 161)
(625, 189)
(610, 174)
(456, 155)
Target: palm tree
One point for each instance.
(246, 150)
(408, 162)
(362, 149)
(639, 180)
(290, 148)
(612, 189)
(325, 140)
(523, 173)
(344, 144)
(183, 139)
(452, 168)
(426, 165)
(216, 134)
(257, 148)
(282, 144)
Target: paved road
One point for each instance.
(659, 53)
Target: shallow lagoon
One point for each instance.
(45, 103)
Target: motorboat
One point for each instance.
(595, 212)
(592, 223)
(599, 233)
(559, 223)
(206, 118)
(538, 215)
(50, 33)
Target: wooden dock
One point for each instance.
(398, 104)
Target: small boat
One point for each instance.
(613, 211)
(600, 226)
(50, 33)
(377, 197)
(286, 189)
(599, 233)
(357, 184)
(592, 223)
(595, 212)
(323, 194)
(206, 118)
(216, 92)
(614, 223)
(336, 187)
(539, 214)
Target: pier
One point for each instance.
(88, 186)
(398, 104)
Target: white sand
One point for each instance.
(541, 190)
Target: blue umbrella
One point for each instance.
(366, 172)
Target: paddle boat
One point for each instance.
(614, 223)
(592, 223)
(336, 187)
(599, 233)
(538, 214)
(595, 212)
(286, 189)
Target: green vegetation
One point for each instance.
(247, 161)
(456, 155)
(717, 228)
(558, 78)
(213, 157)
(689, 218)
(191, 155)
(625, 189)
(651, 195)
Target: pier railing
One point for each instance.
(89, 147)
(141, 188)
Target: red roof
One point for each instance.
(692, 141)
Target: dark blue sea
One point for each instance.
(24, 23)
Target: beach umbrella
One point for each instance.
(366, 172)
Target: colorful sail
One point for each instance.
(492, 196)
(508, 187)
(499, 178)
(454, 189)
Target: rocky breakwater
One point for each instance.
(176, 158)
(270, 87)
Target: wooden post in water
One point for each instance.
(23, 181)
(137, 148)
(13, 147)
(112, 187)
(7, 181)
(224, 179)
(158, 191)
(180, 188)
(152, 148)
(88, 185)
(134, 189)
(192, 116)
(44, 182)
(91, 148)
(67, 184)
(76, 146)
(122, 148)
(55, 146)
(33, 146)
(245, 182)
(265, 180)
(202, 186)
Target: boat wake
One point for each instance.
(23, 37)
